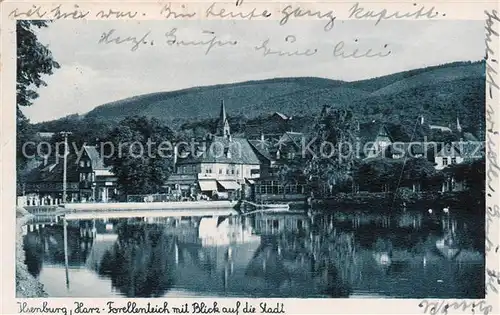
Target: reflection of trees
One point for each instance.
(336, 259)
(327, 256)
(33, 248)
(139, 264)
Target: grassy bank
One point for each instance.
(26, 285)
(391, 200)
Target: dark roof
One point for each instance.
(263, 147)
(282, 116)
(95, 158)
(291, 137)
(369, 131)
(217, 150)
(53, 171)
(397, 133)
(471, 149)
(469, 137)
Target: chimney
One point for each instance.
(422, 120)
(176, 153)
(262, 137)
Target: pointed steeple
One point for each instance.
(459, 128)
(223, 124)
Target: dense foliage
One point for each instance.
(34, 60)
(137, 156)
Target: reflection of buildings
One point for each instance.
(267, 224)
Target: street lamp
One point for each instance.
(65, 135)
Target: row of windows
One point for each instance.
(453, 161)
(87, 176)
(272, 189)
(190, 169)
(84, 163)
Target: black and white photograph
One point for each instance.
(251, 158)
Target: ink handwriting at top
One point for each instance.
(289, 11)
(110, 38)
(289, 39)
(59, 12)
(441, 307)
(358, 12)
(340, 51)
(213, 11)
(209, 44)
(110, 13)
(168, 13)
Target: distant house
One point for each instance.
(87, 179)
(400, 150)
(219, 168)
(440, 128)
(45, 135)
(458, 152)
(374, 138)
(277, 155)
(453, 156)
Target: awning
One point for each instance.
(208, 185)
(229, 184)
(250, 181)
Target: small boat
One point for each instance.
(275, 206)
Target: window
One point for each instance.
(88, 163)
(453, 160)
(82, 163)
(227, 172)
(232, 172)
(445, 161)
(237, 172)
(220, 170)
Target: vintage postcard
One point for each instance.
(250, 157)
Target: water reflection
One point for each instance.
(140, 262)
(268, 255)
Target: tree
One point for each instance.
(137, 156)
(379, 174)
(334, 158)
(34, 60)
(416, 171)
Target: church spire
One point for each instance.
(223, 125)
(459, 128)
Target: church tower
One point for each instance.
(459, 128)
(223, 124)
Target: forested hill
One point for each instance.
(441, 93)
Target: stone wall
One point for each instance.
(26, 285)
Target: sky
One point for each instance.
(94, 73)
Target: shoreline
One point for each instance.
(27, 286)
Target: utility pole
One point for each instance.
(65, 134)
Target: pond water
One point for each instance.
(411, 254)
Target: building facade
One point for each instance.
(218, 168)
(87, 180)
